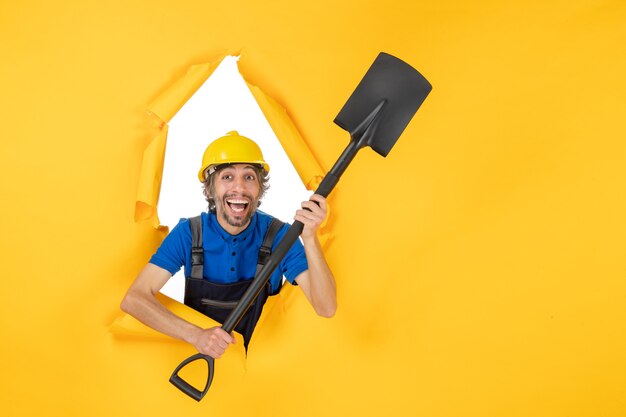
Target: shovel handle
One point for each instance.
(327, 185)
(324, 189)
(185, 386)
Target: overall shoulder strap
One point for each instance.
(197, 252)
(268, 241)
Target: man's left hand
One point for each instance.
(312, 215)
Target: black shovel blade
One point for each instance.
(400, 88)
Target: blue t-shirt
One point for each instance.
(228, 258)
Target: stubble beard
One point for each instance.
(221, 207)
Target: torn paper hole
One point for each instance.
(223, 103)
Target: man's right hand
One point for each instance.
(213, 341)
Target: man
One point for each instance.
(235, 177)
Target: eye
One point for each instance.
(227, 177)
(250, 177)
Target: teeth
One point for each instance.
(237, 205)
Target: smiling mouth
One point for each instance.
(237, 205)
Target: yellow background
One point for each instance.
(480, 267)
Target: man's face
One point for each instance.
(236, 195)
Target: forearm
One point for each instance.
(144, 306)
(321, 282)
(141, 303)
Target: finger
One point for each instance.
(220, 340)
(307, 218)
(212, 351)
(223, 335)
(229, 338)
(216, 348)
(215, 354)
(310, 205)
(307, 213)
(320, 200)
(312, 211)
(319, 208)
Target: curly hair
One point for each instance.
(263, 177)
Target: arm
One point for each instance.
(317, 283)
(141, 303)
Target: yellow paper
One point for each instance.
(480, 266)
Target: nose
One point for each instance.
(238, 183)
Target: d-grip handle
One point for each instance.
(240, 310)
(185, 386)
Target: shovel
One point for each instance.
(376, 114)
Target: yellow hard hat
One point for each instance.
(231, 149)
